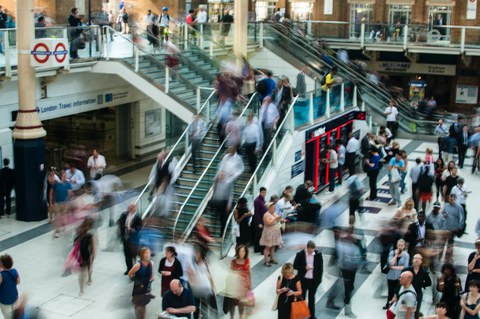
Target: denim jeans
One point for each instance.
(395, 192)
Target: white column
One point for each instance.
(241, 28)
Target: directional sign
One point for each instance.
(41, 53)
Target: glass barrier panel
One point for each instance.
(4, 36)
(56, 33)
(301, 111)
(319, 104)
(335, 98)
(349, 88)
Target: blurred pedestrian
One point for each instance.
(196, 132)
(269, 117)
(395, 167)
(353, 147)
(252, 141)
(170, 268)
(392, 118)
(203, 287)
(309, 264)
(288, 288)
(373, 168)
(60, 194)
(142, 277)
(87, 246)
(233, 131)
(301, 84)
(129, 227)
(442, 132)
(243, 294)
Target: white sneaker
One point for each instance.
(329, 193)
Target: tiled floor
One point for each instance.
(39, 261)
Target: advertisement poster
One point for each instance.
(152, 123)
(328, 7)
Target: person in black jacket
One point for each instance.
(415, 234)
(309, 264)
(75, 31)
(170, 268)
(301, 193)
(7, 182)
(129, 226)
(421, 280)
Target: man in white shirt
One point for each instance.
(415, 172)
(252, 141)
(392, 117)
(333, 167)
(201, 16)
(441, 131)
(196, 133)
(233, 131)
(75, 177)
(96, 163)
(353, 146)
(149, 20)
(269, 117)
(342, 154)
(461, 192)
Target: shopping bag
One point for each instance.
(395, 175)
(299, 309)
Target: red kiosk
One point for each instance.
(319, 137)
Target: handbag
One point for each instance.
(275, 302)
(236, 229)
(249, 300)
(395, 175)
(299, 309)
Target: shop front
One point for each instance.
(316, 141)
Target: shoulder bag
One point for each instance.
(275, 302)
(299, 309)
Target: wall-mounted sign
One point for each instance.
(441, 3)
(466, 94)
(471, 9)
(49, 52)
(361, 1)
(297, 169)
(401, 2)
(411, 68)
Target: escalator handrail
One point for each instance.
(250, 181)
(181, 138)
(363, 80)
(252, 98)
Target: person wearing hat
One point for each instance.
(163, 22)
(474, 265)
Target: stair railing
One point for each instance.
(183, 145)
(193, 221)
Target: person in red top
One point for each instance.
(243, 296)
(190, 17)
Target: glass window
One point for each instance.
(301, 11)
(359, 13)
(438, 17)
(399, 16)
(264, 10)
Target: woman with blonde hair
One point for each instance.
(406, 214)
(288, 288)
(271, 235)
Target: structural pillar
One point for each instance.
(240, 34)
(29, 145)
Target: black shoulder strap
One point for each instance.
(405, 291)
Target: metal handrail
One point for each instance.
(363, 81)
(252, 178)
(174, 147)
(203, 174)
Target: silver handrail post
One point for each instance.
(199, 98)
(310, 109)
(137, 58)
(355, 96)
(327, 110)
(342, 97)
(167, 79)
(6, 46)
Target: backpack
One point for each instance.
(425, 183)
(324, 79)
(261, 87)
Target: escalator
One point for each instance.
(295, 47)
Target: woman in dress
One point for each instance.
(241, 267)
(87, 251)
(9, 280)
(470, 301)
(450, 286)
(202, 235)
(142, 276)
(242, 214)
(170, 268)
(271, 235)
(424, 188)
(288, 287)
(439, 183)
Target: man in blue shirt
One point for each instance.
(270, 86)
(178, 301)
(394, 184)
